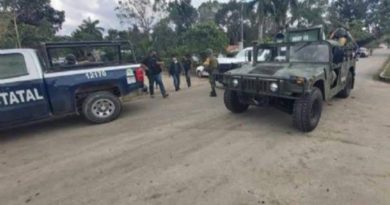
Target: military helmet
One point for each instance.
(209, 51)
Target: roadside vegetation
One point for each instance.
(385, 74)
(177, 27)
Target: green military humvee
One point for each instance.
(297, 75)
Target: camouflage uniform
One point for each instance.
(211, 66)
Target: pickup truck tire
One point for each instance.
(233, 103)
(307, 111)
(346, 92)
(101, 107)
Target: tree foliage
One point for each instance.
(309, 13)
(141, 13)
(208, 10)
(228, 18)
(163, 40)
(182, 14)
(28, 22)
(204, 36)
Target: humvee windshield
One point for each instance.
(308, 52)
(274, 53)
(297, 52)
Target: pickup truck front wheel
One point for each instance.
(307, 111)
(101, 107)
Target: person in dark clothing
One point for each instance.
(187, 65)
(175, 70)
(152, 65)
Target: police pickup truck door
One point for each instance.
(22, 90)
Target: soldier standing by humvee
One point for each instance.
(211, 66)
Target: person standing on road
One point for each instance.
(187, 65)
(211, 66)
(152, 64)
(175, 70)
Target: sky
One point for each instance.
(103, 10)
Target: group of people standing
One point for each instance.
(176, 68)
(153, 67)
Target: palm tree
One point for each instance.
(264, 9)
(91, 27)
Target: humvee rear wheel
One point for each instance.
(346, 92)
(233, 103)
(307, 111)
(101, 107)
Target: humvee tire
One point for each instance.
(307, 111)
(346, 92)
(101, 107)
(232, 102)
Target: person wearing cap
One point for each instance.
(211, 66)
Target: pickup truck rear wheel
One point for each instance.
(307, 111)
(233, 103)
(101, 107)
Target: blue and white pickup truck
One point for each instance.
(87, 79)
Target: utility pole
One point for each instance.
(242, 26)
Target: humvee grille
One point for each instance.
(256, 85)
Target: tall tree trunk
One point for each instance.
(18, 43)
(261, 21)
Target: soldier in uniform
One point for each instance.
(344, 37)
(211, 66)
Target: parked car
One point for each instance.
(363, 52)
(35, 88)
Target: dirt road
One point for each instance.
(189, 149)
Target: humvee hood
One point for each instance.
(282, 70)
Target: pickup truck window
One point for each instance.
(83, 57)
(12, 65)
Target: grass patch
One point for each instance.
(387, 70)
(385, 73)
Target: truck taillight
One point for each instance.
(139, 75)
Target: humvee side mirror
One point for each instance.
(249, 56)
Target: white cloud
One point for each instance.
(76, 11)
(103, 10)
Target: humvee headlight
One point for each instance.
(274, 87)
(235, 83)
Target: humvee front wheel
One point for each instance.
(346, 92)
(233, 103)
(307, 111)
(101, 107)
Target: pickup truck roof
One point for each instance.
(16, 50)
(84, 43)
